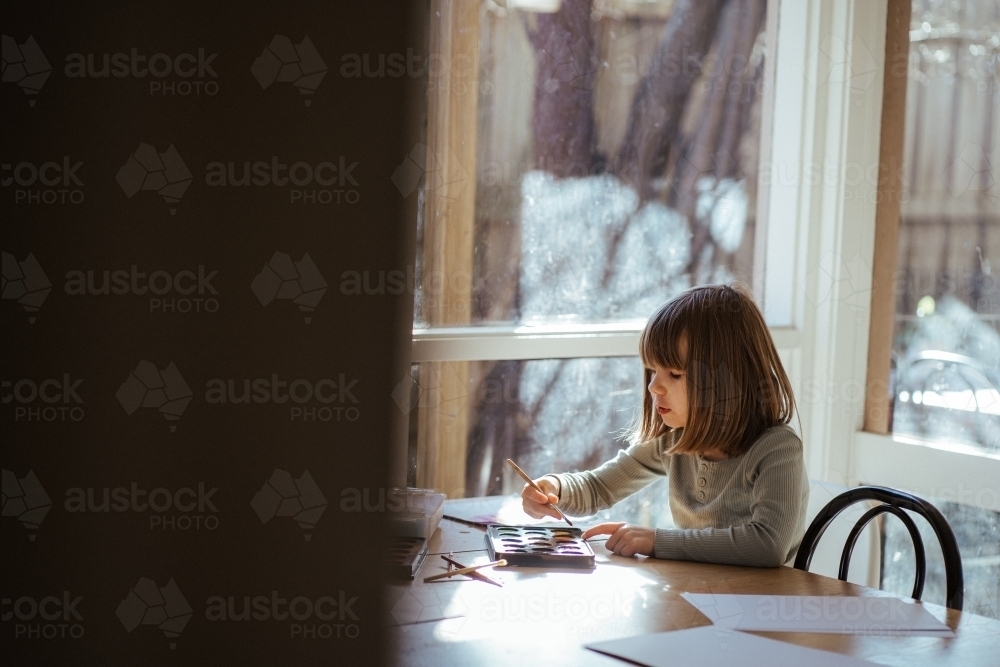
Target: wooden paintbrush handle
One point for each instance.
(525, 477)
(465, 570)
(531, 483)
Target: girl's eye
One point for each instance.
(675, 376)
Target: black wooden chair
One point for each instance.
(894, 502)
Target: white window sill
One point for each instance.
(544, 341)
(952, 472)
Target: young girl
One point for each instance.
(715, 421)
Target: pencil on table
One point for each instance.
(531, 483)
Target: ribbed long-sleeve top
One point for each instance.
(747, 510)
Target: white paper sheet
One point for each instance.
(877, 615)
(712, 646)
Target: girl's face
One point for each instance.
(668, 388)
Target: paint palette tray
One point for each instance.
(404, 556)
(539, 546)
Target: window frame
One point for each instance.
(947, 471)
(819, 301)
(550, 341)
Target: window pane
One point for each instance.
(550, 415)
(615, 162)
(977, 532)
(946, 351)
(947, 338)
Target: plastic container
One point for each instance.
(415, 512)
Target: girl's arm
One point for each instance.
(780, 492)
(584, 493)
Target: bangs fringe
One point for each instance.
(659, 343)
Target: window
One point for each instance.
(547, 414)
(943, 400)
(591, 159)
(946, 346)
(947, 341)
(977, 532)
(501, 298)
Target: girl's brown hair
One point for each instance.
(737, 387)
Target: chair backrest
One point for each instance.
(865, 564)
(893, 502)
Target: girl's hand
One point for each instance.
(625, 540)
(534, 503)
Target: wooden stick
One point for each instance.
(475, 575)
(465, 570)
(532, 484)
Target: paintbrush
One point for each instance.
(465, 570)
(531, 483)
(475, 575)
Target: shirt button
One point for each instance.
(701, 481)
(704, 466)
(701, 495)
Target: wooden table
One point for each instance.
(543, 617)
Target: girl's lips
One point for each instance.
(662, 410)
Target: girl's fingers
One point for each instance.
(537, 510)
(543, 511)
(537, 496)
(623, 540)
(617, 541)
(603, 529)
(628, 548)
(533, 494)
(536, 503)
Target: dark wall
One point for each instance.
(131, 384)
